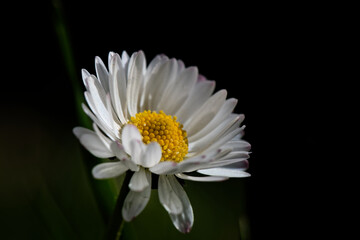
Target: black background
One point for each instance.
(273, 59)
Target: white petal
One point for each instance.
(175, 96)
(202, 161)
(165, 167)
(117, 87)
(108, 170)
(205, 113)
(239, 145)
(151, 156)
(84, 74)
(105, 140)
(135, 202)
(102, 73)
(110, 58)
(128, 134)
(168, 197)
(137, 149)
(91, 141)
(136, 71)
(124, 58)
(184, 220)
(201, 179)
(198, 95)
(158, 81)
(214, 135)
(100, 123)
(221, 116)
(120, 153)
(97, 97)
(225, 172)
(226, 137)
(149, 77)
(115, 123)
(242, 165)
(139, 181)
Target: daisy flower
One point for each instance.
(162, 119)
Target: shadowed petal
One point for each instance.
(91, 141)
(151, 155)
(139, 180)
(225, 172)
(168, 197)
(129, 133)
(135, 202)
(185, 219)
(108, 170)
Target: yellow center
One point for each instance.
(165, 130)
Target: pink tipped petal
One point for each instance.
(239, 145)
(225, 172)
(201, 161)
(91, 141)
(168, 197)
(108, 170)
(151, 155)
(201, 179)
(139, 181)
(184, 220)
(242, 165)
(135, 202)
(129, 133)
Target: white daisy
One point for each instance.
(161, 119)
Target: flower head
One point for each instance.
(163, 119)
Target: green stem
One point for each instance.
(105, 190)
(116, 223)
(66, 50)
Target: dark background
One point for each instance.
(271, 59)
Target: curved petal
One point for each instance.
(202, 161)
(166, 167)
(136, 71)
(139, 181)
(117, 87)
(137, 149)
(225, 172)
(91, 141)
(108, 170)
(168, 197)
(201, 179)
(221, 116)
(197, 96)
(102, 73)
(184, 220)
(119, 152)
(151, 156)
(179, 91)
(129, 133)
(135, 202)
(205, 113)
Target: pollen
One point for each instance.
(164, 129)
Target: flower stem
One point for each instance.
(116, 223)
